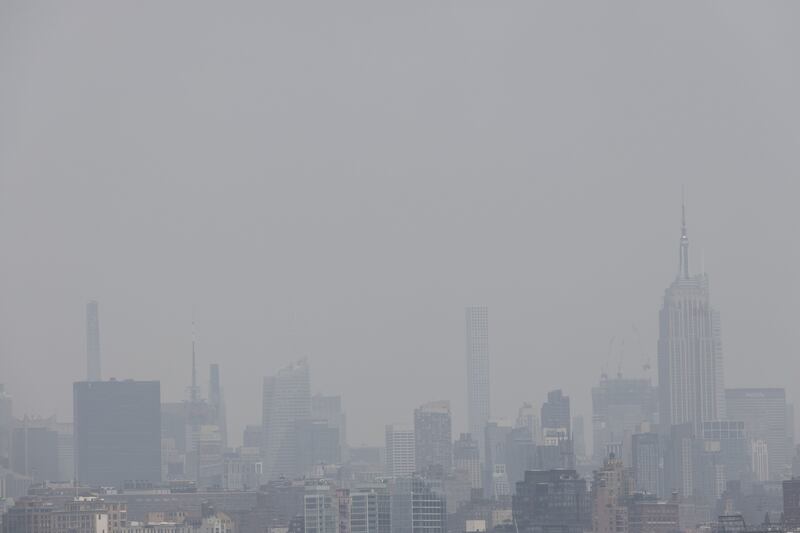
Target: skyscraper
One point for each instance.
(763, 412)
(467, 457)
(93, 372)
(216, 402)
(117, 431)
(434, 439)
(619, 405)
(287, 399)
(478, 391)
(555, 415)
(690, 374)
(400, 450)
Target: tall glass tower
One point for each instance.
(478, 372)
(690, 373)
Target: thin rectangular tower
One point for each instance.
(93, 372)
(478, 372)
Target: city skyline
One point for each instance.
(548, 194)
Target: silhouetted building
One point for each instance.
(287, 399)
(690, 372)
(434, 438)
(317, 444)
(556, 414)
(93, 364)
(552, 501)
(117, 431)
(478, 383)
(791, 504)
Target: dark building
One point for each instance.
(35, 453)
(791, 504)
(317, 444)
(433, 437)
(555, 412)
(117, 431)
(552, 501)
(648, 515)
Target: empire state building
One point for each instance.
(690, 372)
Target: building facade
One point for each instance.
(117, 428)
(478, 382)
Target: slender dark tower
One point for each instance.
(92, 342)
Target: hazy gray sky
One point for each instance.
(338, 180)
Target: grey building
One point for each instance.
(478, 383)
(646, 463)
(467, 457)
(433, 437)
(317, 444)
(619, 405)
(400, 450)
(329, 409)
(763, 411)
(35, 453)
(117, 427)
(556, 414)
(552, 500)
(690, 371)
(287, 399)
(93, 368)
(416, 507)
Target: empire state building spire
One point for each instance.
(683, 263)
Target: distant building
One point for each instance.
(93, 364)
(117, 431)
(646, 514)
(619, 405)
(467, 457)
(287, 399)
(478, 382)
(416, 507)
(764, 413)
(433, 435)
(646, 453)
(528, 417)
(317, 444)
(759, 454)
(6, 426)
(552, 500)
(791, 504)
(579, 436)
(496, 483)
(690, 369)
(610, 490)
(36, 453)
(556, 414)
(329, 409)
(321, 509)
(400, 450)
